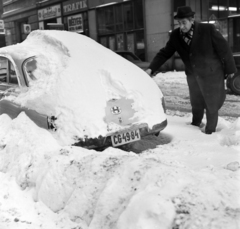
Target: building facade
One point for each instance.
(2, 28)
(139, 26)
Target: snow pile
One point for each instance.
(231, 135)
(76, 79)
(116, 189)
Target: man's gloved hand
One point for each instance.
(229, 75)
(149, 71)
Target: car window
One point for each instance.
(7, 71)
(130, 57)
(12, 75)
(237, 61)
(3, 69)
(30, 67)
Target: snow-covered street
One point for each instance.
(181, 179)
(175, 89)
(191, 182)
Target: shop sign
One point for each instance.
(49, 12)
(2, 30)
(74, 6)
(75, 23)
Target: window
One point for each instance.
(119, 18)
(12, 75)
(7, 71)
(128, 16)
(234, 34)
(223, 8)
(30, 66)
(121, 27)
(3, 69)
(105, 20)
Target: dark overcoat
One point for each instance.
(207, 60)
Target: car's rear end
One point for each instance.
(120, 112)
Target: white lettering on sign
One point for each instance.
(75, 6)
(49, 12)
(75, 23)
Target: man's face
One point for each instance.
(185, 24)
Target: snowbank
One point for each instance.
(182, 184)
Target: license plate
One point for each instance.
(126, 137)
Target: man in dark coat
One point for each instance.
(208, 60)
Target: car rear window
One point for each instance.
(3, 69)
(30, 67)
(237, 61)
(7, 71)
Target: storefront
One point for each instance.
(75, 16)
(50, 18)
(225, 15)
(120, 26)
(2, 34)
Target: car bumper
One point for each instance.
(101, 143)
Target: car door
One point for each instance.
(10, 86)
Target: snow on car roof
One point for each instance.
(77, 76)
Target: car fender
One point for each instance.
(13, 110)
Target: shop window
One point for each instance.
(213, 9)
(118, 18)
(234, 7)
(106, 20)
(120, 41)
(234, 34)
(130, 42)
(112, 43)
(222, 8)
(140, 45)
(223, 28)
(128, 16)
(103, 41)
(138, 14)
(121, 27)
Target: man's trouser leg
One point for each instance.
(197, 102)
(212, 120)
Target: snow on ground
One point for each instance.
(175, 90)
(191, 182)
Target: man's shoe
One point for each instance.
(200, 125)
(207, 131)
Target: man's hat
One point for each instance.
(184, 12)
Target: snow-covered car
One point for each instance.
(84, 93)
(234, 83)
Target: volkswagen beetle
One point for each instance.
(83, 93)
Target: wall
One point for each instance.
(15, 15)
